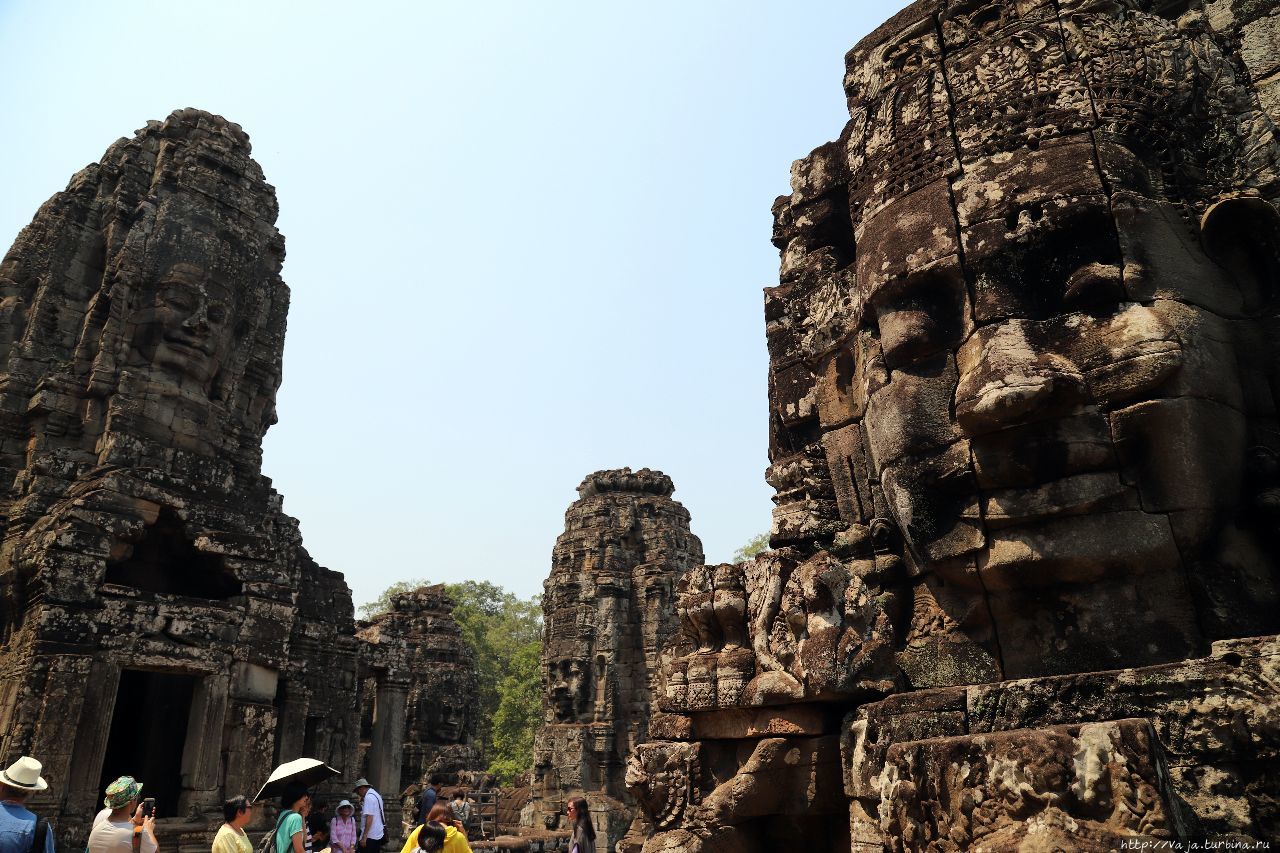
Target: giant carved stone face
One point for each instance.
(1054, 345)
(185, 329)
(1077, 420)
(568, 689)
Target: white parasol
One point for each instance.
(308, 771)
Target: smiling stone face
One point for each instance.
(1020, 318)
(186, 330)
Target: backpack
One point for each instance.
(268, 844)
(42, 831)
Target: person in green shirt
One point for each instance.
(289, 826)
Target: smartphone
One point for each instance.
(148, 806)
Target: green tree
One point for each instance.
(754, 546)
(382, 603)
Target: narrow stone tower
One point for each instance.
(608, 608)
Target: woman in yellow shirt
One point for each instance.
(231, 837)
(455, 839)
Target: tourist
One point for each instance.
(115, 833)
(462, 808)
(583, 839)
(342, 829)
(455, 837)
(373, 816)
(231, 838)
(427, 799)
(319, 839)
(431, 837)
(289, 835)
(319, 816)
(21, 830)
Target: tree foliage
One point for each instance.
(504, 634)
(754, 546)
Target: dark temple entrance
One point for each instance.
(148, 733)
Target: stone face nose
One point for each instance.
(1005, 380)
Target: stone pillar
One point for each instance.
(388, 736)
(202, 752)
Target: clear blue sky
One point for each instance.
(525, 241)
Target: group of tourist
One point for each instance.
(126, 823)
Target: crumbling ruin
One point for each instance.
(159, 614)
(608, 612)
(1024, 444)
(420, 694)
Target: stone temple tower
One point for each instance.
(608, 608)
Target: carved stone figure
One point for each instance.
(1022, 428)
(608, 613)
(151, 582)
(417, 707)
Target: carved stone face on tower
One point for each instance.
(185, 330)
(447, 717)
(1047, 330)
(569, 689)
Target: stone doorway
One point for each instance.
(149, 734)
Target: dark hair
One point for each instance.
(431, 837)
(436, 779)
(441, 811)
(19, 794)
(292, 793)
(583, 830)
(234, 806)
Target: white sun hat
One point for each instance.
(23, 774)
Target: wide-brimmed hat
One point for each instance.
(346, 804)
(24, 774)
(362, 783)
(121, 791)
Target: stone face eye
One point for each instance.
(921, 317)
(1094, 287)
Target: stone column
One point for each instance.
(202, 752)
(385, 752)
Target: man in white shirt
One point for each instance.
(374, 820)
(115, 833)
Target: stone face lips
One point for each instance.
(1022, 434)
(142, 321)
(608, 615)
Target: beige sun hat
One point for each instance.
(24, 774)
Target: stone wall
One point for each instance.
(1024, 444)
(608, 614)
(158, 615)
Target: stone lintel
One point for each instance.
(742, 723)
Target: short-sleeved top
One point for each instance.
(426, 800)
(372, 805)
(454, 841)
(290, 826)
(18, 830)
(230, 840)
(117, 837)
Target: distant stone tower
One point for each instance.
(609, 608)
(418, 714)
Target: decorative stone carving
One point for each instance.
(608, 613)
(151, 581)
(1022, 435)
